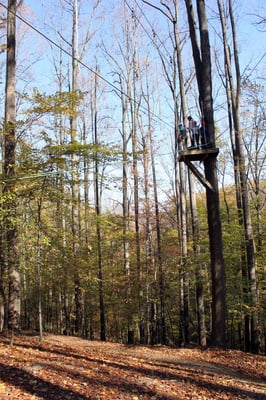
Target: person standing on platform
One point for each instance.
(204, 136)
(196, 134)
(190, 130)
(182, 136)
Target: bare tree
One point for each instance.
(249, 264)
(74, 168)
(98, 214)
(157, 313)
(123, 70)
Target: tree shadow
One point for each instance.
(189, 372)
(173, 370)
(36, 386)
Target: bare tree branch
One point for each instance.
(158, 8)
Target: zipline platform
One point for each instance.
(197, 154)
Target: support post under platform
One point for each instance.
(189, 155)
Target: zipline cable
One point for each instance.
(117, 90)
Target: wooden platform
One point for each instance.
(195, 154)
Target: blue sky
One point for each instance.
(251, 40)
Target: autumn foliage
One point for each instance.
(71, 368)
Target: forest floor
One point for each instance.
(68, 368)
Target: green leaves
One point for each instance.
(63, 103)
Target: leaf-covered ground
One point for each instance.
(65, 368)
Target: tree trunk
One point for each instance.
(98, 214)
(179, 169)
(248, 228)
(199, 270)
(217, 261)
(74, 170)
(126, 256)
(148, 231)
(162, 323)
(248, 265)
(193, 204)
(134, 111)
(38, 266)
(202, 60)
(12, 258)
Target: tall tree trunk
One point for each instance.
(98, 224)
(194, 212)
(126, 260)
(4, 298)
(181, 201)
(179, 169)
(162, 294)
(61, 217)
(125, 81)
(38, 264)
(182, 184)
(161, 274)
(134, 111)
(202, 60)
(147, 235)
(199, 269)
(248, 228)
(249, 265)
(12, 257)
(75, 174)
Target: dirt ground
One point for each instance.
(65, 368)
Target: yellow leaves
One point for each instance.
(3, 48)
(65, 103)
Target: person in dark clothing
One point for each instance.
(190, 130)
(204, 136)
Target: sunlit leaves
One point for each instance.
(71, 368)
(65, 103)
